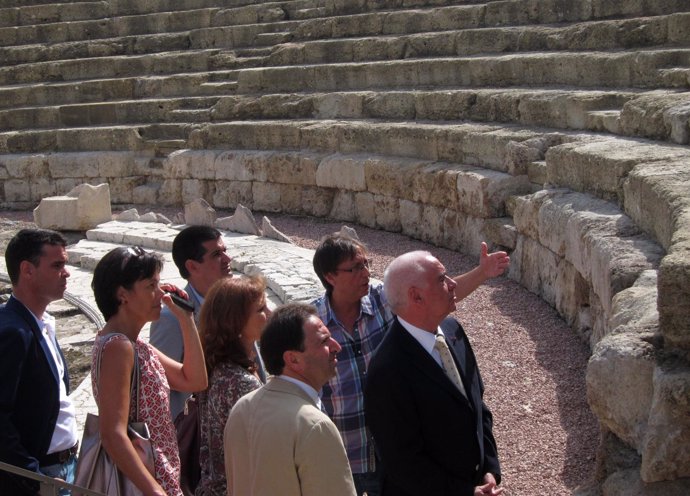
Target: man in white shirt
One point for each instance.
(37, 417)
(277, 439)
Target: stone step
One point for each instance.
(113, 112)
(53, 13)
(119, 66)
(600, 166)
(107, 27)
(106, 47)
(484, 145)
(552, 108)
(625, 69)
(597, 36)
(287, 268)
(604, 121)
(96, 138)
(472, 144)
(98, 90)
(491, 14)
(433, 18)
(561, 109)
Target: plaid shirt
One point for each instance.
(343, 395)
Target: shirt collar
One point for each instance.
(425, 338)
(313, 393)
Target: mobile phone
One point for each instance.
(181, 302)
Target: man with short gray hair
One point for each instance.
(423, 396)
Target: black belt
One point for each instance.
(59, 457)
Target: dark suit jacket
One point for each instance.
(29, 394)
(431, 439)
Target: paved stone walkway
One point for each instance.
(286, 267)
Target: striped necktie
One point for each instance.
(448, 363)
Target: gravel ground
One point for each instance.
(532, 365)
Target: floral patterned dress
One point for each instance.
(227, 384)
(154, 409)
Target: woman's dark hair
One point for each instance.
(224, 315)
(284, 332)
(121, 267)
(331, 252)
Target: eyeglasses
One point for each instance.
(132, 252)
(360, 267)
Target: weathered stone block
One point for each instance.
(242, 221)
(170, 192)
(386, 176)
(199, 213)
(342, 172)
(411, 218)
(292, 168)
(193, 189)
(655, 194)
(267, 196)
(620, 383)
(241, 166)
(629, 483)
(317, 201)
(365, 207)
(387, 213)
(432, 225)
(42, 187)
(229, 194)
(81, 209)
(343, 206)
(146, 194)
(674, 289)
(191, 164)
(482, 192)
(22, 166)
(432, 183)
(666, 448)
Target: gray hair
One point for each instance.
(404, 272)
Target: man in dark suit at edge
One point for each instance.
(423, 396)
(37, 417)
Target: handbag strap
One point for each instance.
(134, 382)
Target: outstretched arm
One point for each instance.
(490, 265)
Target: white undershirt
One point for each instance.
(65, 433)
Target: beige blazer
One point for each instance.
(277, 443)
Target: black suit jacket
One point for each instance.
(29, 394)
(430, 438)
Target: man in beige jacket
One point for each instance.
(277, 440)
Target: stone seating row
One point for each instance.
(657, 114)
(89, 60)
(341, 19)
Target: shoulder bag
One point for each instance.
(187, 424)
(95, 470)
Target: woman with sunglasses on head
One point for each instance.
(126, 284)
(232, 319)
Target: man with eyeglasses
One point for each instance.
(357, 314)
